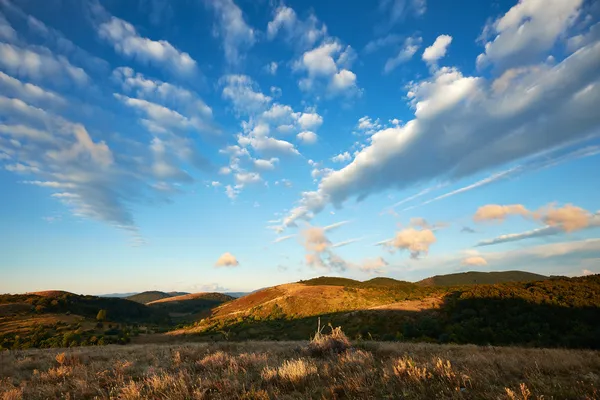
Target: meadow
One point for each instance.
(329, 367)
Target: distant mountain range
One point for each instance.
(131, 294)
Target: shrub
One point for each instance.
(334, 343)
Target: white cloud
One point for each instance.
(227, 260)
(396, 10)
(586, 272)
(242, 91)
(263, 164)
(245, 178)
(527, 31)
(128, 42)
(415, 241)
(162, 92)
(343, 80)
(39, 64)
(474, 261)
(271, 68)
(374, 266)
(236, 34)
(497, 212)
(307, 137)
(437, 50)
(546, 108)
(28, 92)
(215, 184)
(405, 53)
(302, 34)
(380, 43)
(321, 66)
(310, 120)
(342, 157)
(7, 33)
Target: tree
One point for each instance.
(101, 316)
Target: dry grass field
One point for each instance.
(328, 368)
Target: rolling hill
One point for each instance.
(58, 318)
(554, 312)
(189, 307)
(475, 277)
(147, 297)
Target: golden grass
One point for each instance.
(286, 370)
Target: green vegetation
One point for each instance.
(351, 283)
(474, 277)
(552, 313)
(62, 319)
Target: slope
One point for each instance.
(149, 296)
(189, 307)
(552, 313)
(475, 277)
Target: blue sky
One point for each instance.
(232, 145)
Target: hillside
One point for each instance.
(555, 312)
(147, 297)
(189, 307)
(55, 318)
(475, 277)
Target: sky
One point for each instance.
(230, 145)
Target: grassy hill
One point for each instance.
(475, 277)
(57, 318)
(189, 307)
(147, 297)
(554, 312)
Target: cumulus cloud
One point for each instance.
(318, 248)
(437, 50)
(310, 120)
(374, 266)
(243, 93)
(569, 217)
(342, 157)
(548, 106)
(415, 241)
(303, 33)
(128, 42)
(475, 261)
(497, 212)
(237, 36)
(327, 64)
(526, 32)
(307, 137)
(227, 260)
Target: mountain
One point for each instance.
(190, 307)
(559, 312)
(236, 294)
(121, 295)
(147, 297)
(63, 319)
(474, 277)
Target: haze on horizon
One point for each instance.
(229, 146)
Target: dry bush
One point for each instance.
(292, 371)
(275, 370)
(335, 342)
